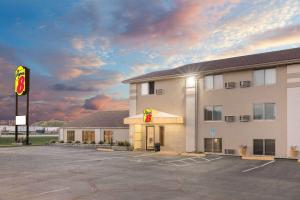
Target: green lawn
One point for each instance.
(34, 140)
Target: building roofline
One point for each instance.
(204, 71)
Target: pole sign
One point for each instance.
(22, 87)
(148, 115)
(22, 81)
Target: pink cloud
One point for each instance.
(103, 102)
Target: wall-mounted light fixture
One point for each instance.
(190, 82)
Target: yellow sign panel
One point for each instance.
(148, 115)
(21, 80)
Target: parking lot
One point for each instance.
(53, 172)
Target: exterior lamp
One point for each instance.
(191, 82)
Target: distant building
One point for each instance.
(105, 126)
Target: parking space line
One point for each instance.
(214, 159)
(53, 191)
(260, 166)
(144, 155)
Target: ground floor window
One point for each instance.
(213, 145)
(70, 136)
(88, 136)
(108, 137)
(264, 147)
(162, 135)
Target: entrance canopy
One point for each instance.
(157, 118)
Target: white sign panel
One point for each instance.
(20, 120)
(213, 132)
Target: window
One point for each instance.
(213, 113)
(148, 88)
(213, 82)
(162, 135)
(151, 87)
(264, 77)
(264, 111)
(145, 89)
(209, 82)
(108, 137)
(88, 136)
(70, 136)
(218, 82)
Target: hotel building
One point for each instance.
(219, 106)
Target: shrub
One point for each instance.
(77, 142)
(127, 144)
(61, 141)
(69, 142)
(85, 142)
(52, 141)
(93, 142)
(101, 142)
(121, 144)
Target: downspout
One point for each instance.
(196, 113)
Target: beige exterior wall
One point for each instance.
(172, 101)
(239, 101)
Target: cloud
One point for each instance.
(94, 80)
(103, 102)
(139, 69)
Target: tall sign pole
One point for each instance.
(22, 87)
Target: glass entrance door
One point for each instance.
(264, 147)
(213, 145)
(150, 137)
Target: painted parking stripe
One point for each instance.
(214, 159)
(260, 166)
(144, 155)
(53, 191)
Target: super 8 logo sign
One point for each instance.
(148, 115)
(21, 82)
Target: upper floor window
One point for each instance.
(264, 111)
(264, 77)
(213, 82)
(213, 113)
(148, 88)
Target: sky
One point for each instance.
(79, 51)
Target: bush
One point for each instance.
(77, 142)
(69, 142)
(52, 141)
(121, 144)
(85, 142)
(61, 141)
(101, 142)
(93, 142)
(127, 144)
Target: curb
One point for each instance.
(104, 150)
(193, 154)
(258, 158)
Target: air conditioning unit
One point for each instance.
(245, 84)
(229, 118)
(244, 118)
(230, 85)
(230, 151)
(159, 91)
